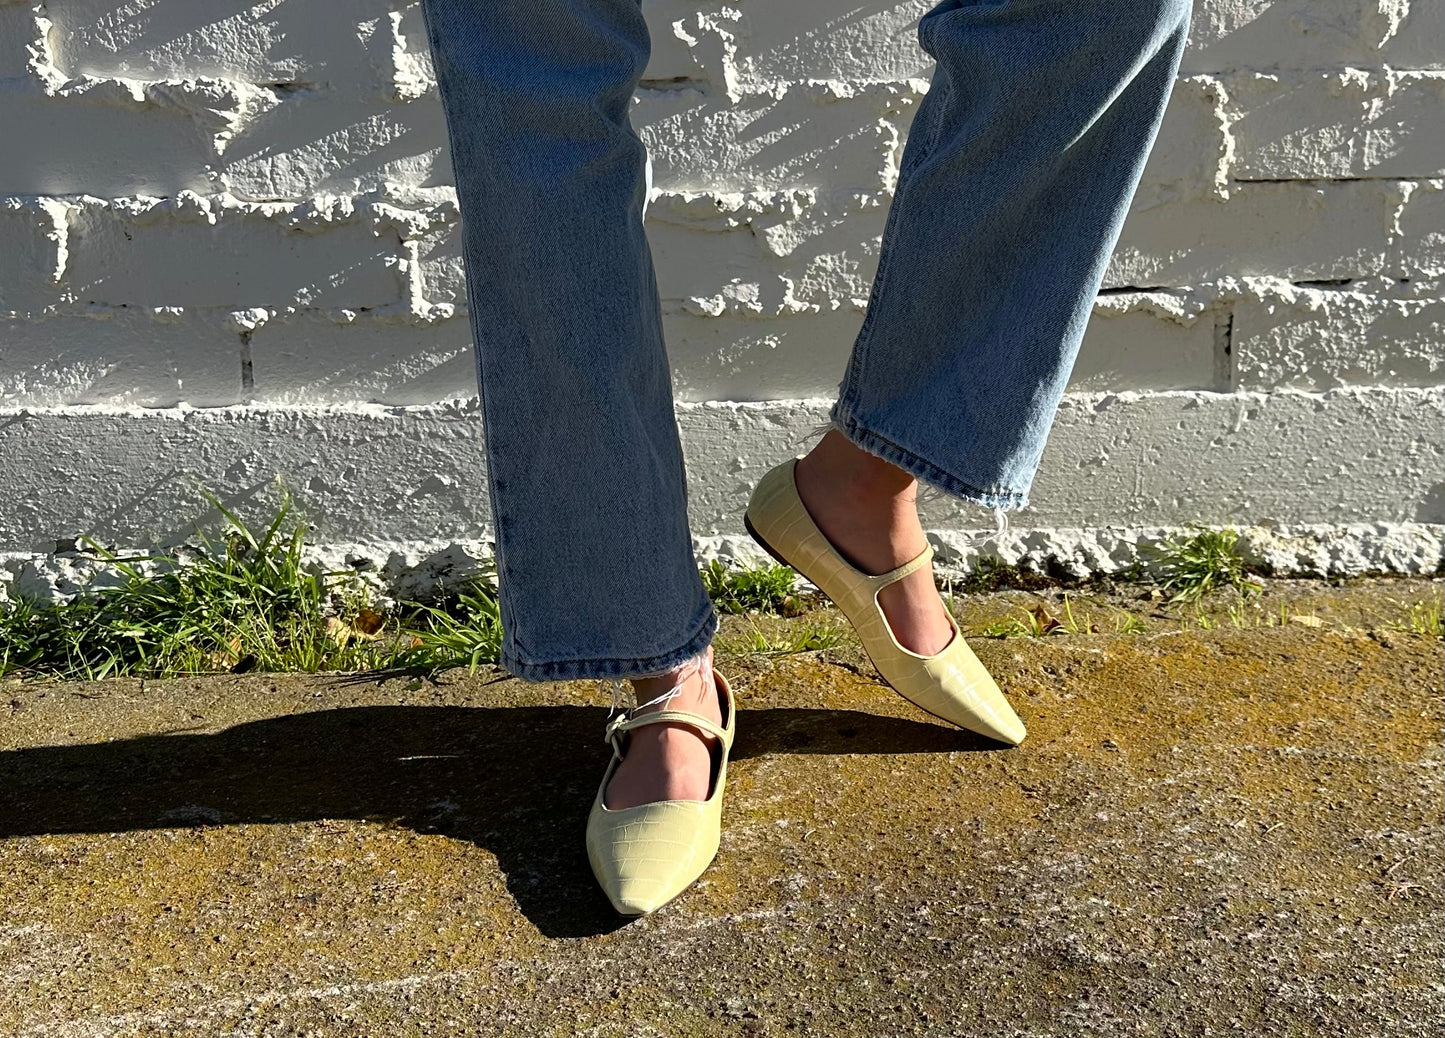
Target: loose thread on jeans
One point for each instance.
(928, 492)
(1000, 518)
(807, 434)
(622, 692)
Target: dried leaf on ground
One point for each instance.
(368, 623)
(362, 630)
(1046, 620)
(227, 657)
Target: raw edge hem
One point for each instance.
(922, 469)
(612, 667)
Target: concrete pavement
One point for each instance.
(1206, 832)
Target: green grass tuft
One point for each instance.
(768, 589)
(808, 637)
(1206, 562)
(245, 602)
(1423, 618)
(465, 632)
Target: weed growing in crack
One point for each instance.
(807, 638)
(1423, 618)
(246, 602)
(768, 589)
(1239, 615)
(1040, 621)
(1208, 561)
(1128, 623)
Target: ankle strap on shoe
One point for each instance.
(920, 560)
(623, 723)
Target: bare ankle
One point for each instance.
(846, 469)
(865, 506)
(685, 681)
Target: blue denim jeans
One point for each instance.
(1016, 177)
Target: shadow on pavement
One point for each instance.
(517, 781)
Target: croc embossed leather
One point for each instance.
(952, 683)
(645, 856)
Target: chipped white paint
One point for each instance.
(229, 241)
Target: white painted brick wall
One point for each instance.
(249, 207)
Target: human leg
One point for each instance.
(597, 577)
(1013, 187)
(596, 573)
(1015, 181)
(1014, 184)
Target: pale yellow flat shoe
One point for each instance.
(645, 856)
(952, 684)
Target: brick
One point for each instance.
(169, 253)
(104, 146)
(732, 357)
(1151, 341)
(804, 253)
(116, 475)
(1347, 455)
(813, 133)
(787, 43)
(1189, 157)
(310, 357)
(296, 42)
(120, 356)
(34, 235)
(412, 73)
(1297, 231)
(442, 271)
(1316, 338)
(18, 32)
(670, 58)
(330, 141)
(1315, 34)
(1419, 246)
(1330, 124)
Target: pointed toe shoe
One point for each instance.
(951, 684)
(645, 856)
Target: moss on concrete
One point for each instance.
(1222, 829)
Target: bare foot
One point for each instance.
(868, 509)
(668, 761)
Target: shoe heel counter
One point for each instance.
(768, 505)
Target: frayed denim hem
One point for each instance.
(922, 469)
(580, 670)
